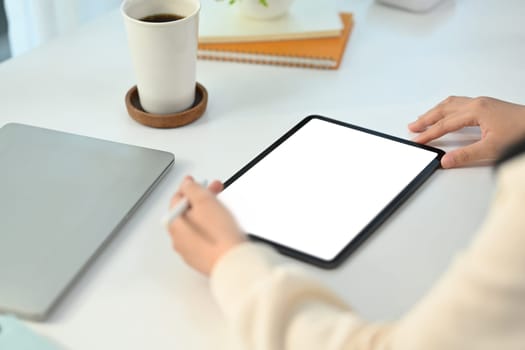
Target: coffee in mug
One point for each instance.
(162, 17)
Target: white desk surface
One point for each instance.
(138, 294)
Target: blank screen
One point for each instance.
(318, 189)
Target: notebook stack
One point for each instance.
(310, 35)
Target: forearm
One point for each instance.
(280, 307)
(479, 302)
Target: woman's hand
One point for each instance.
(502, 123)
(207, 230)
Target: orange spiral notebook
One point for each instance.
(322, 53)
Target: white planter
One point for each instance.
(412, 5)
(254, 9)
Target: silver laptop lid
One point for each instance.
(61, 198)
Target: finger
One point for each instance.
(185, 225)
(446, 107)
(454, 101)
(444, 126)
(208, 211)
(216, 187)
(190, 217)
(188, 242)
(194, 192)
(178, 195)
(427, 119)
(465, 156)
(175, 199)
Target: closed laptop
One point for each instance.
(62, 197)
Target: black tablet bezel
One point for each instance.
(372, 225)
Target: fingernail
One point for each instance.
(447, 162)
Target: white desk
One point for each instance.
(138, 294)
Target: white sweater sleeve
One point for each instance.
(479, 303)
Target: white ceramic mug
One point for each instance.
(164, 54)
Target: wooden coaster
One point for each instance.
(172, 120)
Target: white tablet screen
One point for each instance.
(317, 190)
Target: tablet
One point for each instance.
(322, 188)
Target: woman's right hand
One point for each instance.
(501, 123)
(207, 230)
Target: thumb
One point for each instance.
(465, 156)
(216, 187)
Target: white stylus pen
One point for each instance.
(179, 209)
